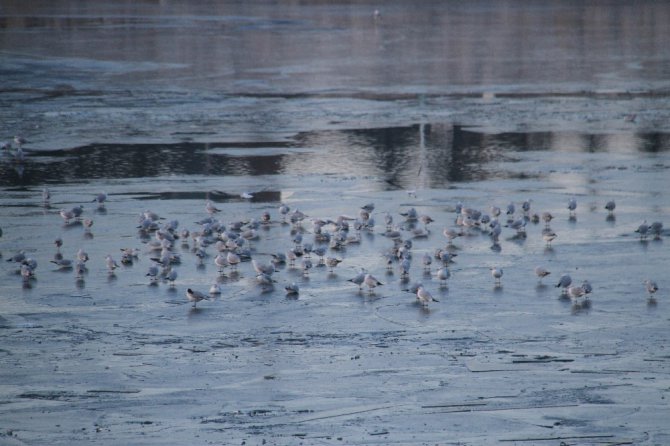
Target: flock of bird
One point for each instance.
(232, 245)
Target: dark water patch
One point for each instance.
(58, 91)
(264, 196)
(55, 395)
(405, 157)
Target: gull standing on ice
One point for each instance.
(424, 297)
(306, 266)
(564, 282)
(443, 274)
(292, 289)
(171, 276)
(642, 230)
(211, 208)
(541, 272)
(575, 292)
(111, 264)
(233, 259)
(497, 274)
(358, 279)
(572, 206)
(651, 288)
(152, 273)
(332, 262)
(427, 260)
(450, 234)
(195, 296)
(549, 237)
(221, 262)
(656, 228)
(371, 282)
(100, 199)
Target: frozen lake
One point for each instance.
(326, 107)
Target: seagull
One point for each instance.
(541, 272)
(410, 215)
(111, 264)
(152, 273)
(546, 218)
(283, 211)
(171, 276)
(656, 228)
(424, 297)
(564, 282)
(291, 256)
(67, 215)
(575, 292)
(358, 279)
(371, 282)
(18, 257)
(610, 206)
(427, 260)
(332, 262)
(215, 289)
(265, 279)
(426, 219)
(651, 287)
(100, 199)
(221, 262)
(510, 209)
(451, 234)
(443, 274)
(497, 274)
(292, 289)
(643, 229)
(211, 208)
(496, 229)
(306, 266)
(262, 268)
(404, 267)
(233, 259)
(320, 251)
(388, 220)
(572, 206)
(518, 225)
(549, 236)
(586, 286)
(77, 211)
(195, 296)
(20, 140)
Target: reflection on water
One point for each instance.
(454, 44)
(426, 155)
